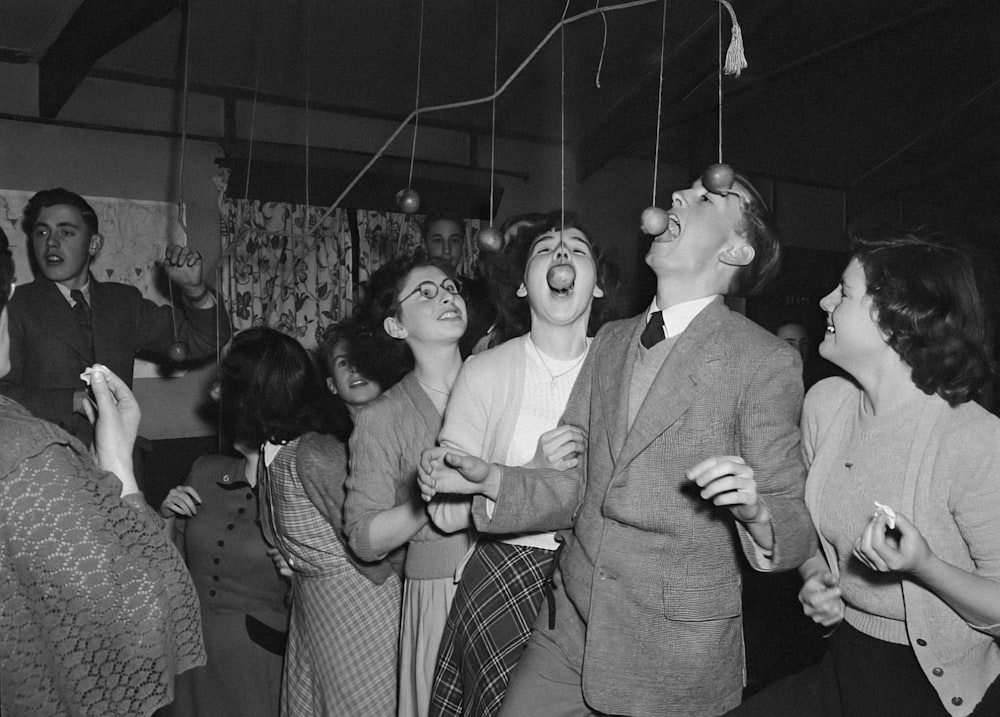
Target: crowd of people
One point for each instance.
(518, 504)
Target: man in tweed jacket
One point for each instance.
(692, 457)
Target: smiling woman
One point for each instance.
(413, 302)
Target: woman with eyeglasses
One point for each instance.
(417, 302)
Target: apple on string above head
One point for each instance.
(489, 239)
(408, 200)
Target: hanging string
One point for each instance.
(253, 107)
(308, 227)
(604, 45)
(183, 151)
(416, 100)
(659, 101)
(562, 117)
(493, 118)
(469, 103)
(719, 58)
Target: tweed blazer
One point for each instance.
(651, 567)
(48, 351)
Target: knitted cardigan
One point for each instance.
(951, 492)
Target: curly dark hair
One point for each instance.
(270, 390)
(505, 272)
(925, 299)
(394, 357)
(761, 232)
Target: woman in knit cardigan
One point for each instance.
(416, 302)
(904, 492)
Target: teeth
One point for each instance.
(673, 225)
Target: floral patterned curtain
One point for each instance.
(274, 274)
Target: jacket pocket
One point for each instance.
(710, 602)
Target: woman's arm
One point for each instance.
(974, 597)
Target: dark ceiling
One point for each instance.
(886, 99)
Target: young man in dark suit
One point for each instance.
(692, 457)
(66, 320)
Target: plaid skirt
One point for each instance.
(488, 627)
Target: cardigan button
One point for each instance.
(956, 701)
(937, 672)
(922, 642)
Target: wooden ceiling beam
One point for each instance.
(97, 27)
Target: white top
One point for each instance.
(678, 317)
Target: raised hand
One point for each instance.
(184, 268)
(903, 550)
(117, 425)
(728, 481)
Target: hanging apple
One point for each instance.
(408, 200)
(561, 277)
(654, 221)
(489, 239)
(177, 351)
(718, 179)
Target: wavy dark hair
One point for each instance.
(55, 197)
(270, 390)
(761, 232)
(380, 302)
(505, 272)
(925, 300)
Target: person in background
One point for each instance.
(506, 406)
(903, 493)
(417, 303)
(445, 237)
(692, 459)
(66, 319)
(97, 611)
(213, 518)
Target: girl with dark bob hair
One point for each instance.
(343, 627)
(903, 492)
(417, 303)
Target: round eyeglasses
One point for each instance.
(429, 290)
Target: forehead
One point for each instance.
(421, 274)
(444, 227)
(569, 236)
(60, 214)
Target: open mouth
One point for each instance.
(53, 259)
(450, 315)
(358, 383)
(561, 279)
(673, 229)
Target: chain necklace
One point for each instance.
(548, 370)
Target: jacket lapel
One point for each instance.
(689, 370)
(614, 374)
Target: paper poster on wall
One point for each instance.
(136, 234)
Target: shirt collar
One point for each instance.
(65, 292)
(678, 317)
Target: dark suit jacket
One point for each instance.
(650, 567)
(48, 351)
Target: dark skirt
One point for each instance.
(488, 626)
(860, 676)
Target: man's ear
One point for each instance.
(394, 328)
(598, 292)
(96, 242)
(522, 290)
(737, 255)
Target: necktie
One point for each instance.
(653, 333)
(82, 310)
